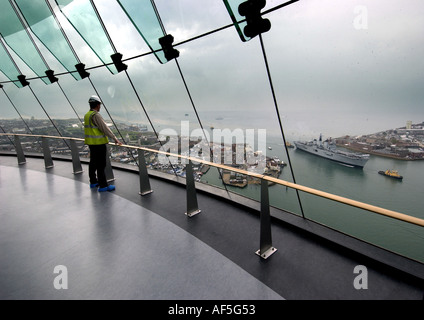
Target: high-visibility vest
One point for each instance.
(93, 135)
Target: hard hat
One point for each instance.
(94, 99)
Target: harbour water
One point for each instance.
(364, 185)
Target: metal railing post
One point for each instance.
(266, 248)
(192, 207)
(76, 162)
(144, 176)
(19, 151)
(108, 169)
(48, 161)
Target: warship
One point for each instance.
(328, 150)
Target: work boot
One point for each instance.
(108, 188)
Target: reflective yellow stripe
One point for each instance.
(93, 136)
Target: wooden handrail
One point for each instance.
(319, 193)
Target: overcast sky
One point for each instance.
(337, 66)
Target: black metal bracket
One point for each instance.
(81, 70)
(50, 75)
(22, 80)
(251, 9)
(117, 61)
(168, 49)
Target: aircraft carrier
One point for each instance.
(328, 150)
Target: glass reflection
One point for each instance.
(8, 67)
(44, 25)
(143, 16)
(19, 40)
(82, 15)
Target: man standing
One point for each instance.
(96, 132)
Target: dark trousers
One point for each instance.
(97, 165)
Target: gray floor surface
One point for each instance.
(111, 247)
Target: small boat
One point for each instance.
(391, 174)
(289, 145)
(270, 148)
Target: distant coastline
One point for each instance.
(404, 143)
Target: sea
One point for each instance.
(364, 185)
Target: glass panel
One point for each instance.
(220, 73)
(340, 75)
(8, 20)
(332, 74)
(7, 66)
(185, 19)
(27, 106)
(239, 110)
(44, 26)
(233, 9)
(19, 41)
(7, 111)
(123, 113)
(81, 14)
(143, 16)
(11, 122)
(168, 106)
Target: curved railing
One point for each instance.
(266, 245)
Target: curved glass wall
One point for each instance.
(20, 40)
(42, 20)
(82, 15)
(350, 72)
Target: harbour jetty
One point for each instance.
(272, 168)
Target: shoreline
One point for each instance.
(380, 154)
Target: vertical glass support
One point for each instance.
(144, 176)
(108, 170)
(82, 16)
(266, 248)
(48, 161)
(76, 162)
(19, 151)
(192, 207)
